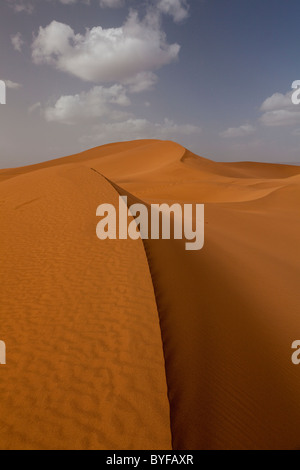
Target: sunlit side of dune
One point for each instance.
(99, 334)
(85, 367)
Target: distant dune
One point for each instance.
(123, 344)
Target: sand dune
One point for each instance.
(85, 366)
(127, 344)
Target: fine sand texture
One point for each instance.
(85, 366)
(123, 344)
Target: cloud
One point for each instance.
(234, 132)
(280, 117)
(21, 6)
(99, 102)
(27, 6)
(178, 9)
(34, 107)
(72, 2)
(12, 85)
(102, 3)
(17, 42)
(277, 101)
(105, 55)
(68, 2)
(279, 110)
(111, 3)
(109, 107)
(135, 129)
(143, 81)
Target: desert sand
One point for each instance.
(123, 344)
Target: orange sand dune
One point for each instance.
(107, 339)
(85, 366)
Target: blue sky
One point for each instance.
(213, 75)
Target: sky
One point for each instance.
(213, 75)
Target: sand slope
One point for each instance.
(87, 338)
(85, 366)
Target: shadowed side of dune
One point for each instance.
(228, 317)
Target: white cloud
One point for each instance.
(105, 55)
(111, 3)
(21, 6)
(278, 110)
(34, 107)
(277, 101)
(281, 117)
(141, 82)
(178, 9)
(102, 3)
(27, 6)
(68, 2)
(12, 85)
(17, 42)
(72, 2)
(109, 107)
(134, 129)
(99, 102)
(241, 131)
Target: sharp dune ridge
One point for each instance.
(122, 344)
